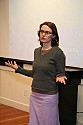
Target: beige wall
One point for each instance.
(4, 28)
(15, 89)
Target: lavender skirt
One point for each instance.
(44, 109)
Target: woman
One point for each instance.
(48, 70)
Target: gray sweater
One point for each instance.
(45, 69)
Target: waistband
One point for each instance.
(44, 92)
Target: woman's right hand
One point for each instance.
(12, 65)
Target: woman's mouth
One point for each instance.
(42, 38)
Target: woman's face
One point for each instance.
(45, 34)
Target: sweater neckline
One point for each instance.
(44, 52)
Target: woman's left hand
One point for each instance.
(61, 79)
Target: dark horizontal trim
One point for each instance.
(75, 68)
(18, 61)
(4, 59)
(76, 71)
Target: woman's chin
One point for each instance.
(43, 41)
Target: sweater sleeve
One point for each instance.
(25, 72)
(60, 64)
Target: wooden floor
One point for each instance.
(12, 116)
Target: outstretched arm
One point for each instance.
(12, 65)
(61, 79)
(60, 68)
(19, 69)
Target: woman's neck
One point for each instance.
(46, 46)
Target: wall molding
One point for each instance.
(14, 104)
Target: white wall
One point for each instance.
(25, 16)
(20, 20)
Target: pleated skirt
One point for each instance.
(44, 109)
